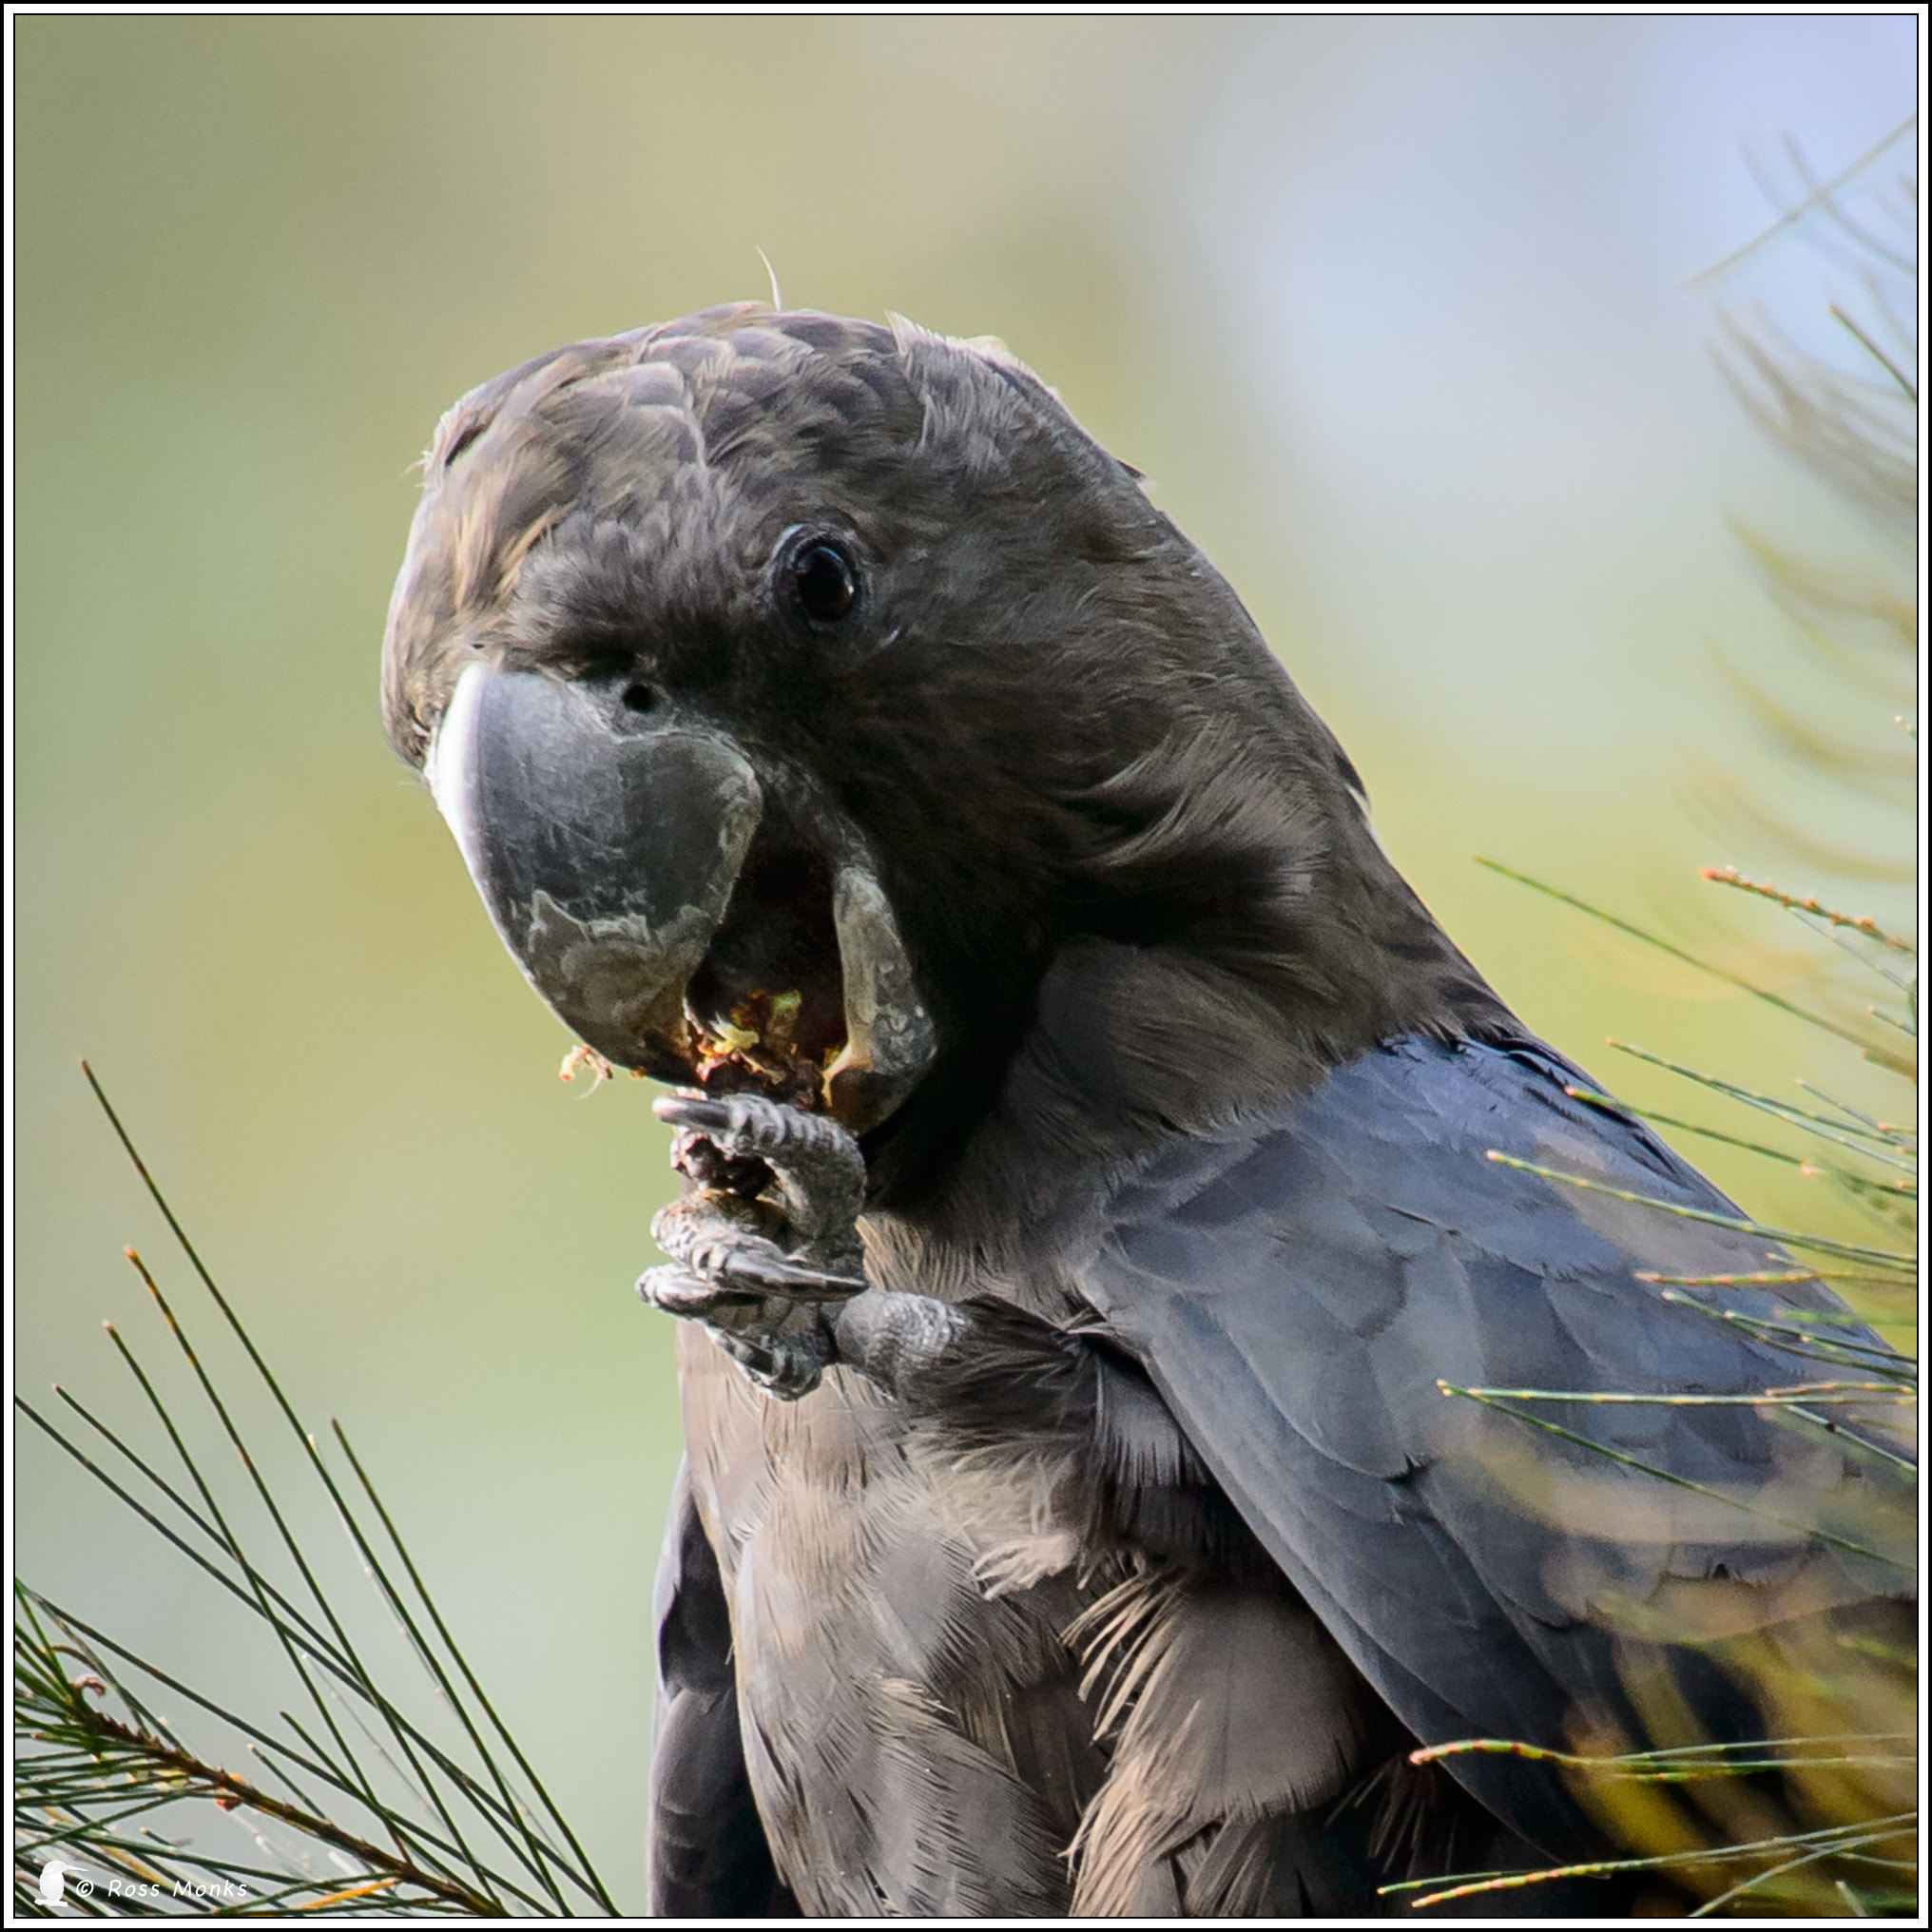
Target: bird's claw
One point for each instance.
(783, 1365)
(760, 1259)
(723, 1243)
(815, 1165)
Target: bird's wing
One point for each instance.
(1298, 1286)
(709, 1858)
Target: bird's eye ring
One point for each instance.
(824, 580)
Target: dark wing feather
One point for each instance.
(709, 1858)
(1298, 1284)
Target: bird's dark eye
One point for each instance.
(640, 698)
(824, 582)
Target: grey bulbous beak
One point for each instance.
(606, 856)
(608, 846)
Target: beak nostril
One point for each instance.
(640, 698)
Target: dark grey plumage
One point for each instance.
(1118, 1545)
(708, 1855)
(1549, 1573)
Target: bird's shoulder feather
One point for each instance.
(1303, 1284)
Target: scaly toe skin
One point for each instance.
(819, 1170)
(676, 1290)
(746, 1124)
(759, 1272)
(785, 1360)
(722, 1241)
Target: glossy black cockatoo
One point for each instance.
(1091, 1172)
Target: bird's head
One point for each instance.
(797, 687)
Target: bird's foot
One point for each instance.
(768, 1241)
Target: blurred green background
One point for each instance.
(1391, 311)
